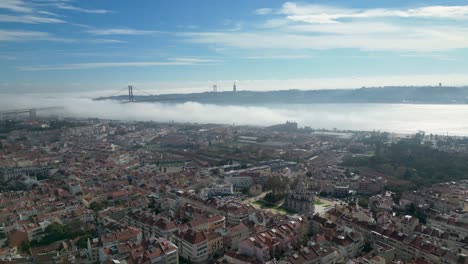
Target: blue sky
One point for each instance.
(188, 45)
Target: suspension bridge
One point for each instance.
(32, 112)
(130, 96)
(131, 93)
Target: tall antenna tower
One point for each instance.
(234, 87)
(130, 94)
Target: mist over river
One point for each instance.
(399, 118)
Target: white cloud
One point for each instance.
(280, 57)
(431, 55)
(15, 6)
(80, 25)
(29, 19)
(48, 13)
(326, 14)
(192, 60)
(263, 11)
(107, 41)
(120, 31)
(317, 27)
(21, 6)
(274, 23)
(31, 12)
(98, 65)
(351, 28)
(12, 35)
(419, 40)
(64, 6)
(20, 35)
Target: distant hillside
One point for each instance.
(410, 94)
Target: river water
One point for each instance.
(400, 118)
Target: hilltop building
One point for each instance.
(289, 126)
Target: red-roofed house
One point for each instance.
(193, 245)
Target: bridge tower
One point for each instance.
(130, 94)
(32, 113)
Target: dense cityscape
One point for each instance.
(234, 132)
(104, 191)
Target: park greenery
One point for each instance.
(277, 184)
(410, 160)
(98, 206)
(273, 198)
(318, 202)
(416, 212)
(57, 232)
(278, 207)
(363, 202)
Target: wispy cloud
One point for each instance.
(98, 65)
(21, 6)
(432, 55)
(193, 60)
(32, 12)
(48, 13)
(263, 11)
(120, 31)
(65, 6)
(233, 25)
(427, 40)
(280, 57)
(15, 6)
(23, 35)
(328, 14)
(349, 28)
(15, 35)
(297, 26)
(29, 19)
(107, 41)
(80, 25)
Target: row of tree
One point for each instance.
(409, 160)
(277, 184)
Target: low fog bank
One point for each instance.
(400, 118)
(186, 112)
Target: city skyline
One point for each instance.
(75, 46)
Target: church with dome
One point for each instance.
(300, 199)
